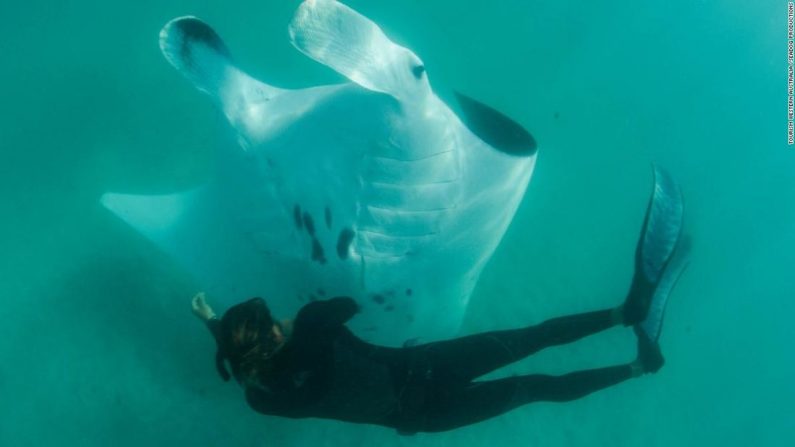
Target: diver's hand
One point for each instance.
(200, 307)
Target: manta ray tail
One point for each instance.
(196, 51)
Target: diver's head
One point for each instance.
(249, 336)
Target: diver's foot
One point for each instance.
(650, 358)
(636, 306)
(658, 239)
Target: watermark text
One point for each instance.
(791, 73)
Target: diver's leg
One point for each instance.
(484, 400)
(469, 357)
(655, 275)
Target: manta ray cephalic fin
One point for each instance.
(354, 46)
(196, 51)
(199, 53)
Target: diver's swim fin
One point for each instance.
(661, 228)
(648, 331)
(651, 326)
(649, 354)
(659, 237)
(660, 260)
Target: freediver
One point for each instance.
(316, 367)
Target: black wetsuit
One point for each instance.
(325, 371)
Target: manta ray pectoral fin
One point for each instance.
(496, 129)
(350, 43)
(154, 216)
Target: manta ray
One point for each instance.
(373, 188)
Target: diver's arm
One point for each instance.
(262, 400)
(321, 316)
(204, 312)
(214, 325)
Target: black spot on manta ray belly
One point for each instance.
(297, 217)
(378, 298)
(344, 243)
(317, 251)
(309, 224)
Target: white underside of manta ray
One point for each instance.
(372, 189)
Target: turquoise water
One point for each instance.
(98, 343)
